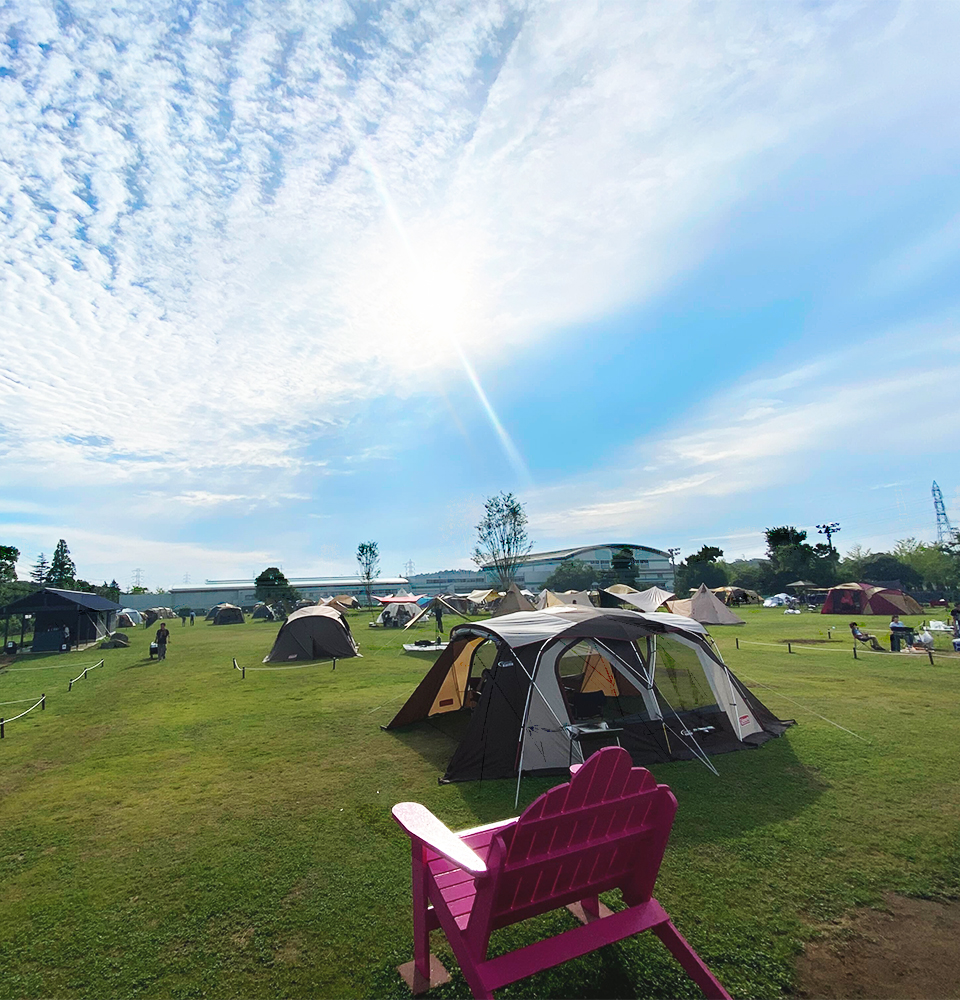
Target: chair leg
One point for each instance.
(426, 970)
(589, 909)
(692, 964)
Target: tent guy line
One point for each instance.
(810, 710)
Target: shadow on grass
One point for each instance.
(755, 788)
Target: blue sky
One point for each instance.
(281, 279)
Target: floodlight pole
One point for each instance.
(829, 530)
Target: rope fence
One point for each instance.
(857, 650)
(51, 666)
(83, 676)
(6, 722)
(286, 666)
(243, 670)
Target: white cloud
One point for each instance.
(227, 236)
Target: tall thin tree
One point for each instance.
(41, 570)
(63, 572)
(368, 559)
(502, 541)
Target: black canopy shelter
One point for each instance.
(85, 617)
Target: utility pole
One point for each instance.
(829, 530)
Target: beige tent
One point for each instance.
(644, 600)
(483, 596)
(622, 588)
(548, 599)
(704, 607)
(513, 601)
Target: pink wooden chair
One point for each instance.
(606, 829)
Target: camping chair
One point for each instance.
(606, 829)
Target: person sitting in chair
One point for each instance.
(866, 637)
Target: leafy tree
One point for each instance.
(63, 572)
(9, 554)
(271, 585)
(700, 567)
(851, 566)
(933, 563)
(792, 558)
(40, 571)
(368, 559)
(572, 574)
(884, 567)
(623, 566)
(139, 590)
(502, 540)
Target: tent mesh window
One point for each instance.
(594, 686)
(681, 682)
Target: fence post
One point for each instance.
(1, 727)
(738, 642)
(43, 702)
(70, 686)
(789, 648)
(243, 673)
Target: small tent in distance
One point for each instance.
(512, 601)
(704, 607)
(263, 612)
(228, 614)
(737, 595)
(866, 599)
(315, 633)
(549, 599)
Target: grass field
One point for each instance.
(170, 829)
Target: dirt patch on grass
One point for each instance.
(907, 950)
(812, 642)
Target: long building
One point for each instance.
(243, 592)
(653, 569)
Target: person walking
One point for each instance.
(438, 614)
(193, 617)
(163, 634)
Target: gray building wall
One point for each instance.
(449, 581)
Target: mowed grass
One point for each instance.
(172, 830)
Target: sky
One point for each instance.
(280, 278)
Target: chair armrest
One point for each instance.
(419, 822)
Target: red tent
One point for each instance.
(865, 599)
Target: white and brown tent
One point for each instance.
(314, 633)
(704, 607)
(642, 600)
(549, 599)
(512, 601)
(228, 614)
(532, 691)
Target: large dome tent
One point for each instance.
(867, 599)
(228, 614)
(315, 633)
(528, 691)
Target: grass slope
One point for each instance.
(170, 829)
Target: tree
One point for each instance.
(931, 562)
(40, 571)
(63, 572)
(851, 566)
(700, 567)
(271, 585)
(623, 566)
(502, 540)
(571, 574)
(886, 568)
(368, 559)
(9, 554)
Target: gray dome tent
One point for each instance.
(228, 614)
(544, 685)
(314, 633)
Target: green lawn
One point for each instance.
(172, 830)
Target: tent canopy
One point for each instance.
(622, 588)
(548, 599)
(315, 633)
(866, 599)
(447, 603)
(645, 600)
(512, 601)
(737, 594)
(704, 607)
(483, 596)
(525, 685)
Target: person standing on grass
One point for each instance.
(438, 614)
(163, 634)
(193, 618)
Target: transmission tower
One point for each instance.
(409, 568)
(138, 578)
(944, 527)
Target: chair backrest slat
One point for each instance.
(605, 828)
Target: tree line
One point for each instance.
(790, 557)
(59, 571)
